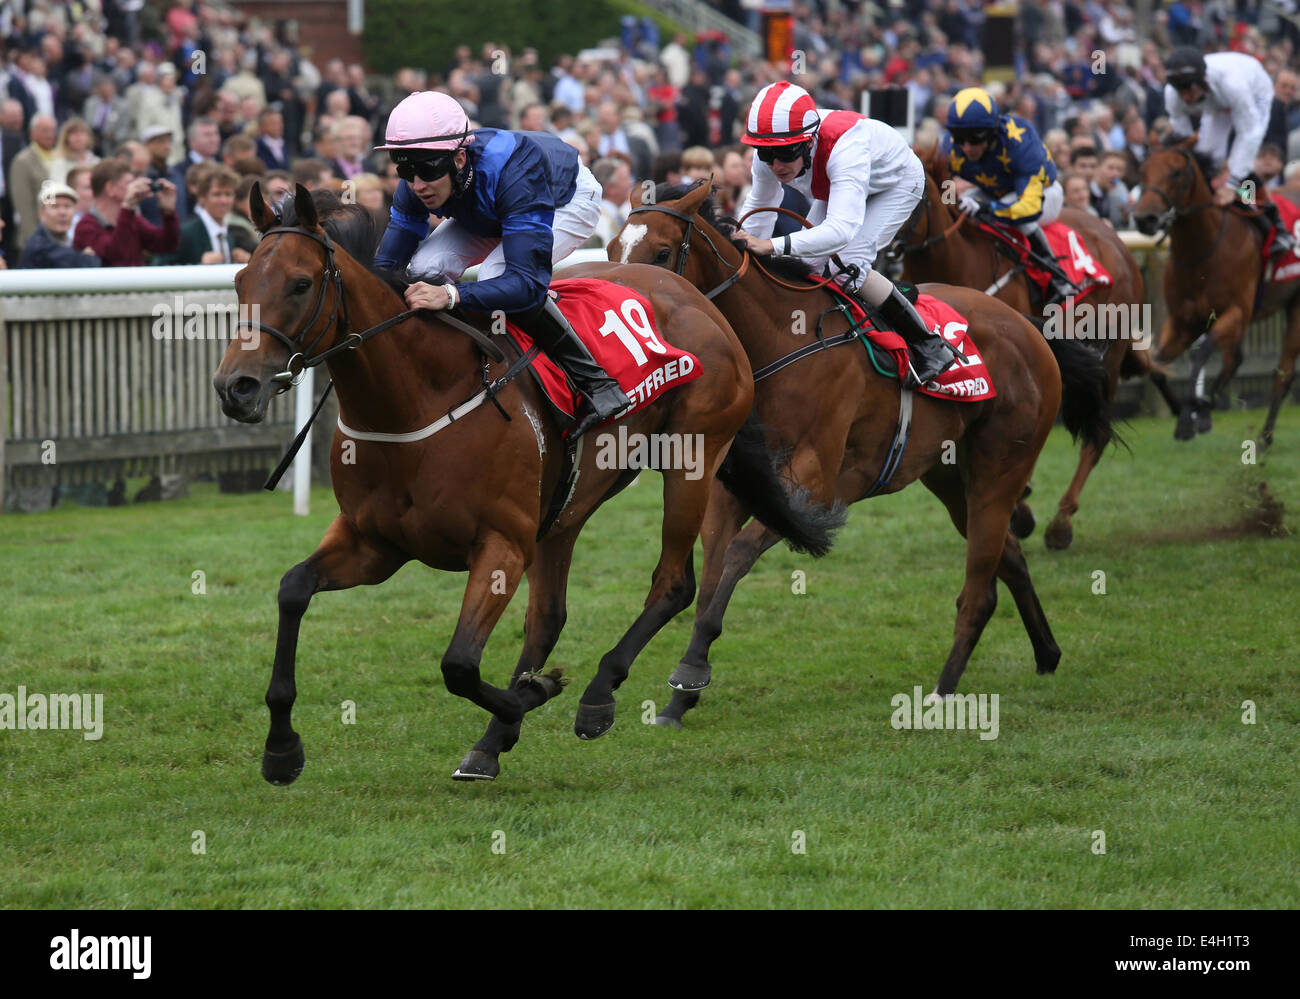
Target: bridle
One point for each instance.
(302, 358)
(299, 354)
(684, 251)
(692, 227)
(1184, 178)
(899, 247)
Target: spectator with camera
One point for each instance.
(51, 244)
(158, 140)
(114, 229)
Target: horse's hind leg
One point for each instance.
(672, 587)
(548, 580)
(722, 522)
(343, 560)
(987, 537)
(1284, 375)
(1013, 571)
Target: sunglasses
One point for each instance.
(786, 154)
(970, 138)
(427, 170)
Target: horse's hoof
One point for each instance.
(1049, 662)
(1204, 421)
(593, 721)
(1022, 522)
(1059, 537)
(477, 766)
(663, 721)
(688, 677)
(284, 768)
(549, 684)
(1185, 430)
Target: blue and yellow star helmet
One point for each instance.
(973, 110)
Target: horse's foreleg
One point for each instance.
(548, 580)
(342, 560)
(1233, 355)
(496, 566)
(1186, 428)
(1284, 374)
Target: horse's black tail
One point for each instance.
(750, 473)
(1085, 393)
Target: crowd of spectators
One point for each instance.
(133, 132)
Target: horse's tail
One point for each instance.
(750, 474)
(1085, 393)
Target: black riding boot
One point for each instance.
(931, 353)
(1269, 220)
(1061, 290)
(552, 332)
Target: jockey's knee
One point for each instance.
(874, 287)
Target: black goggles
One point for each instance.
(786, 154)
(971, 136)
(427, 170)
(1180, 83)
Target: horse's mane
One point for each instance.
(935, 163)
(787, 268)
(350, 226)
(1203, 162)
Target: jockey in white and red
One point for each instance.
(863, 181)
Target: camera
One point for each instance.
(155, 186)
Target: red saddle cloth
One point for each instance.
(1286, 267)
(964, 380)
(1073, 257)
(618, 327)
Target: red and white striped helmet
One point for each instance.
(782, 115)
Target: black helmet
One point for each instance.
(1185, 65)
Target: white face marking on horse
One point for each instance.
(630, 236)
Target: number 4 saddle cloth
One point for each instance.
(1084, 270)
(618, 327)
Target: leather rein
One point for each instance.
(301, 356)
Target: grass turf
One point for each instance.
(1139, 734)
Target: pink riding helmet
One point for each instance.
(427, 120)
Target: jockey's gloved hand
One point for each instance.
(971, 203)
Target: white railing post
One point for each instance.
(302, 464)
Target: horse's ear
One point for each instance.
(1189, 143)
(634, 199)
(305, 208)
(690, 202)
(259, 213)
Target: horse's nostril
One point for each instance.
(245, 388)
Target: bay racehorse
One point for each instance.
(838, 419)
(1212, 281)
(939, 243)
(472, 496)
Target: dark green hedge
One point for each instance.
(425, 35)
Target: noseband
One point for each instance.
(684, 251)
(1184, 178)
(300, 357)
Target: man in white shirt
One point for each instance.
(615, 179)
(863, 182)
(1232, 92)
